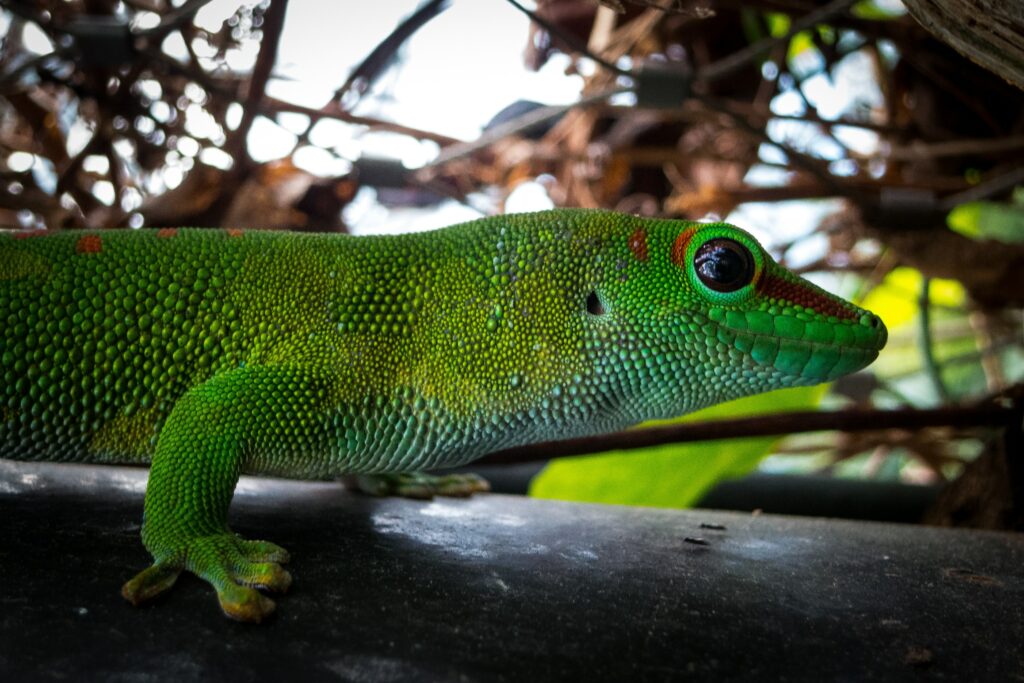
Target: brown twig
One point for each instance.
(272, 105)
(955, 148)
(273, 24)
(363, 76)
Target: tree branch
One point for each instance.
(272, 26)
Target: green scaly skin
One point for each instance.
(210, 353)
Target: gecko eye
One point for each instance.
(724, 265)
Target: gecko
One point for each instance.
(209, 353)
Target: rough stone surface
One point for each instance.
(503, 588)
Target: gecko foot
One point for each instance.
(419, 485)
(234, 566)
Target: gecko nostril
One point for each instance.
(871, 320)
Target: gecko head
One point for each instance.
(710, 294)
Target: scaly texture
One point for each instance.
(212, 353)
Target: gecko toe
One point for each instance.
(461, 485)
(242, 603)
(151, 582)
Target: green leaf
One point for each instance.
(990, 220)
(798, 44)
(778, 24)
(875, 11)
(673, 475)
(897, 298)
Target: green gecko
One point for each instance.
(211, 353)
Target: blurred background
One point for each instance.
(865, 152)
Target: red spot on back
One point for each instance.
(25, 234)
(234, 232)
(638, 244)
(89, 244)
(167, 233)
(774, 287)
(680, 245)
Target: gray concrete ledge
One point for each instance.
(503, 588)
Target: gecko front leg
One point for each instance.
(211, 435)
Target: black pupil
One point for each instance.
(724, 265)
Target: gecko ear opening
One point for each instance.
(594, 305)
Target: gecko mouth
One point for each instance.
(810, 350)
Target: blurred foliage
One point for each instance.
(1002, 222)
(897, 297)
(673, 475)
(869, 9)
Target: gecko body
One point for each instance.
(211, 353)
